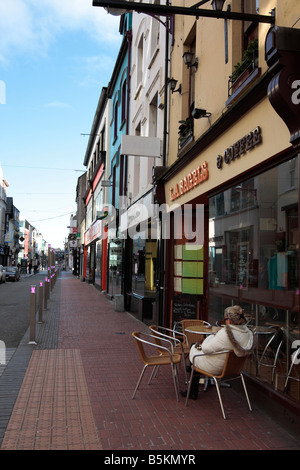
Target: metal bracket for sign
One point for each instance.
(167, 10)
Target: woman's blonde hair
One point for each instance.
(236, 314)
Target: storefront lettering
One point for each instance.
(93, 232)
(189, 182)
(241, 147)
(296, 94)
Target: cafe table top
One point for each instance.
(203, 330)
(261, 330)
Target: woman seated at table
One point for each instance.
(234, 336)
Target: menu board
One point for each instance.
(184, 307)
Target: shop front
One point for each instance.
(254, 262)
(139, 230)
(95, 255)
(249, 195)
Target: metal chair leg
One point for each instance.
(189, 386)
(220, 399)
(139, 381)
(175, 380)
(245, 390)
(153, 373)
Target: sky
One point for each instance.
(55, 57)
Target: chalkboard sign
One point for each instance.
(184, 307)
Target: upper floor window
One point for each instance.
(124, 90)
(116, 120)
(140, 54)
(186, 128)
(102, 138)
(154, 32)
(246, 69)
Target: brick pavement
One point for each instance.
(76, 392)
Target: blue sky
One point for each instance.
(55, 57)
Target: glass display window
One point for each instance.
(254, 261)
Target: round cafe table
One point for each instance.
(203, 330)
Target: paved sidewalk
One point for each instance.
(73, 389)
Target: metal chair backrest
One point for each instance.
(295, 361)
(233, 365)
(158, 342)
(151, 342)
(271, 352)
(140, 346)
(156, 360)
(193, 337)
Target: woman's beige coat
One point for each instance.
(231, 337)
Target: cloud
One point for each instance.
(31, 26)
(57, 104)
(92, 69)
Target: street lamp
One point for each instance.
(188, 59)
(218, 4)
(172, 83)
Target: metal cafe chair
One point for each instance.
(271, 351)
(289, 376)
(180, 346)
(193, 337)
(169, 358)
(232, 370)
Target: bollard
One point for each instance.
(32, 314)
(47, 287)
(41, 302)
(2, 353)
(45, 295)
(48, 277)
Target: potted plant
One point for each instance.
(185, 132)
(243, 69)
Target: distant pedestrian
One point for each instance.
(29, 268)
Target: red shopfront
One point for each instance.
(95, 255)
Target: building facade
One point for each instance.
(12, 232)
(144, 150)
(233, 176)
(117, 162)
(217, 224)
(96, 197)
(3, 203)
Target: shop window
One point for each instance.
(98, 263)
(144, 266)
(188, 269)
(115, 276)
(254, 261)
(243, 196)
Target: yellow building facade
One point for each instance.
(233, 166)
